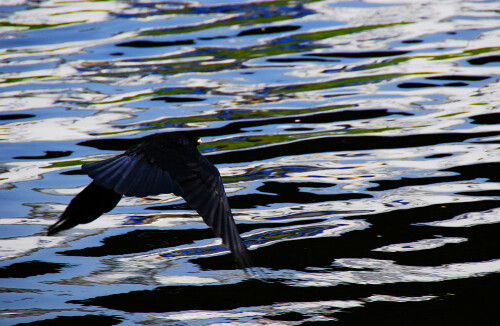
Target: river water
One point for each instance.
(358, 142)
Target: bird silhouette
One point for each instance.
(160, 163)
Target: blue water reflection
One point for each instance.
(357, 141)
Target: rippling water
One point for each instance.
(358, 142)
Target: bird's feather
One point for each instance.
(88, 205)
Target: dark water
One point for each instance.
(358, 142)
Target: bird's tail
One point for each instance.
(87, 206)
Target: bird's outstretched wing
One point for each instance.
(133, 174)
(203, 190)
(159, 165)
(89, 204)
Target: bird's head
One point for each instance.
(184, 138)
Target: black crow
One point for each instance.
(161, 163)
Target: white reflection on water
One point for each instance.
(252, 315)
(424, 244)
(360, 169)
(62, 128)
(388, 272)
(470, 219)
(27, 100)
(308, 312)
(21, 246)
(54, 12)
(391, 298)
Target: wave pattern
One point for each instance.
(358, 142)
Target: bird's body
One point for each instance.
(162, 163)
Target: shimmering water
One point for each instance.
(358, 142)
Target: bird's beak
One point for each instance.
(199, 141)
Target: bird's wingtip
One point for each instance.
(56, 227)
(255, 272)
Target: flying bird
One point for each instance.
(160, 163)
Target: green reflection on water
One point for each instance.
(20, 79)
(247, 114)
(154, 93)
(64, 164)
(38, 26)
(461, 54)
(262, 140)
(336, 83)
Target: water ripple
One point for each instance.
(357, 141)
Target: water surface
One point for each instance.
(358, 142)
